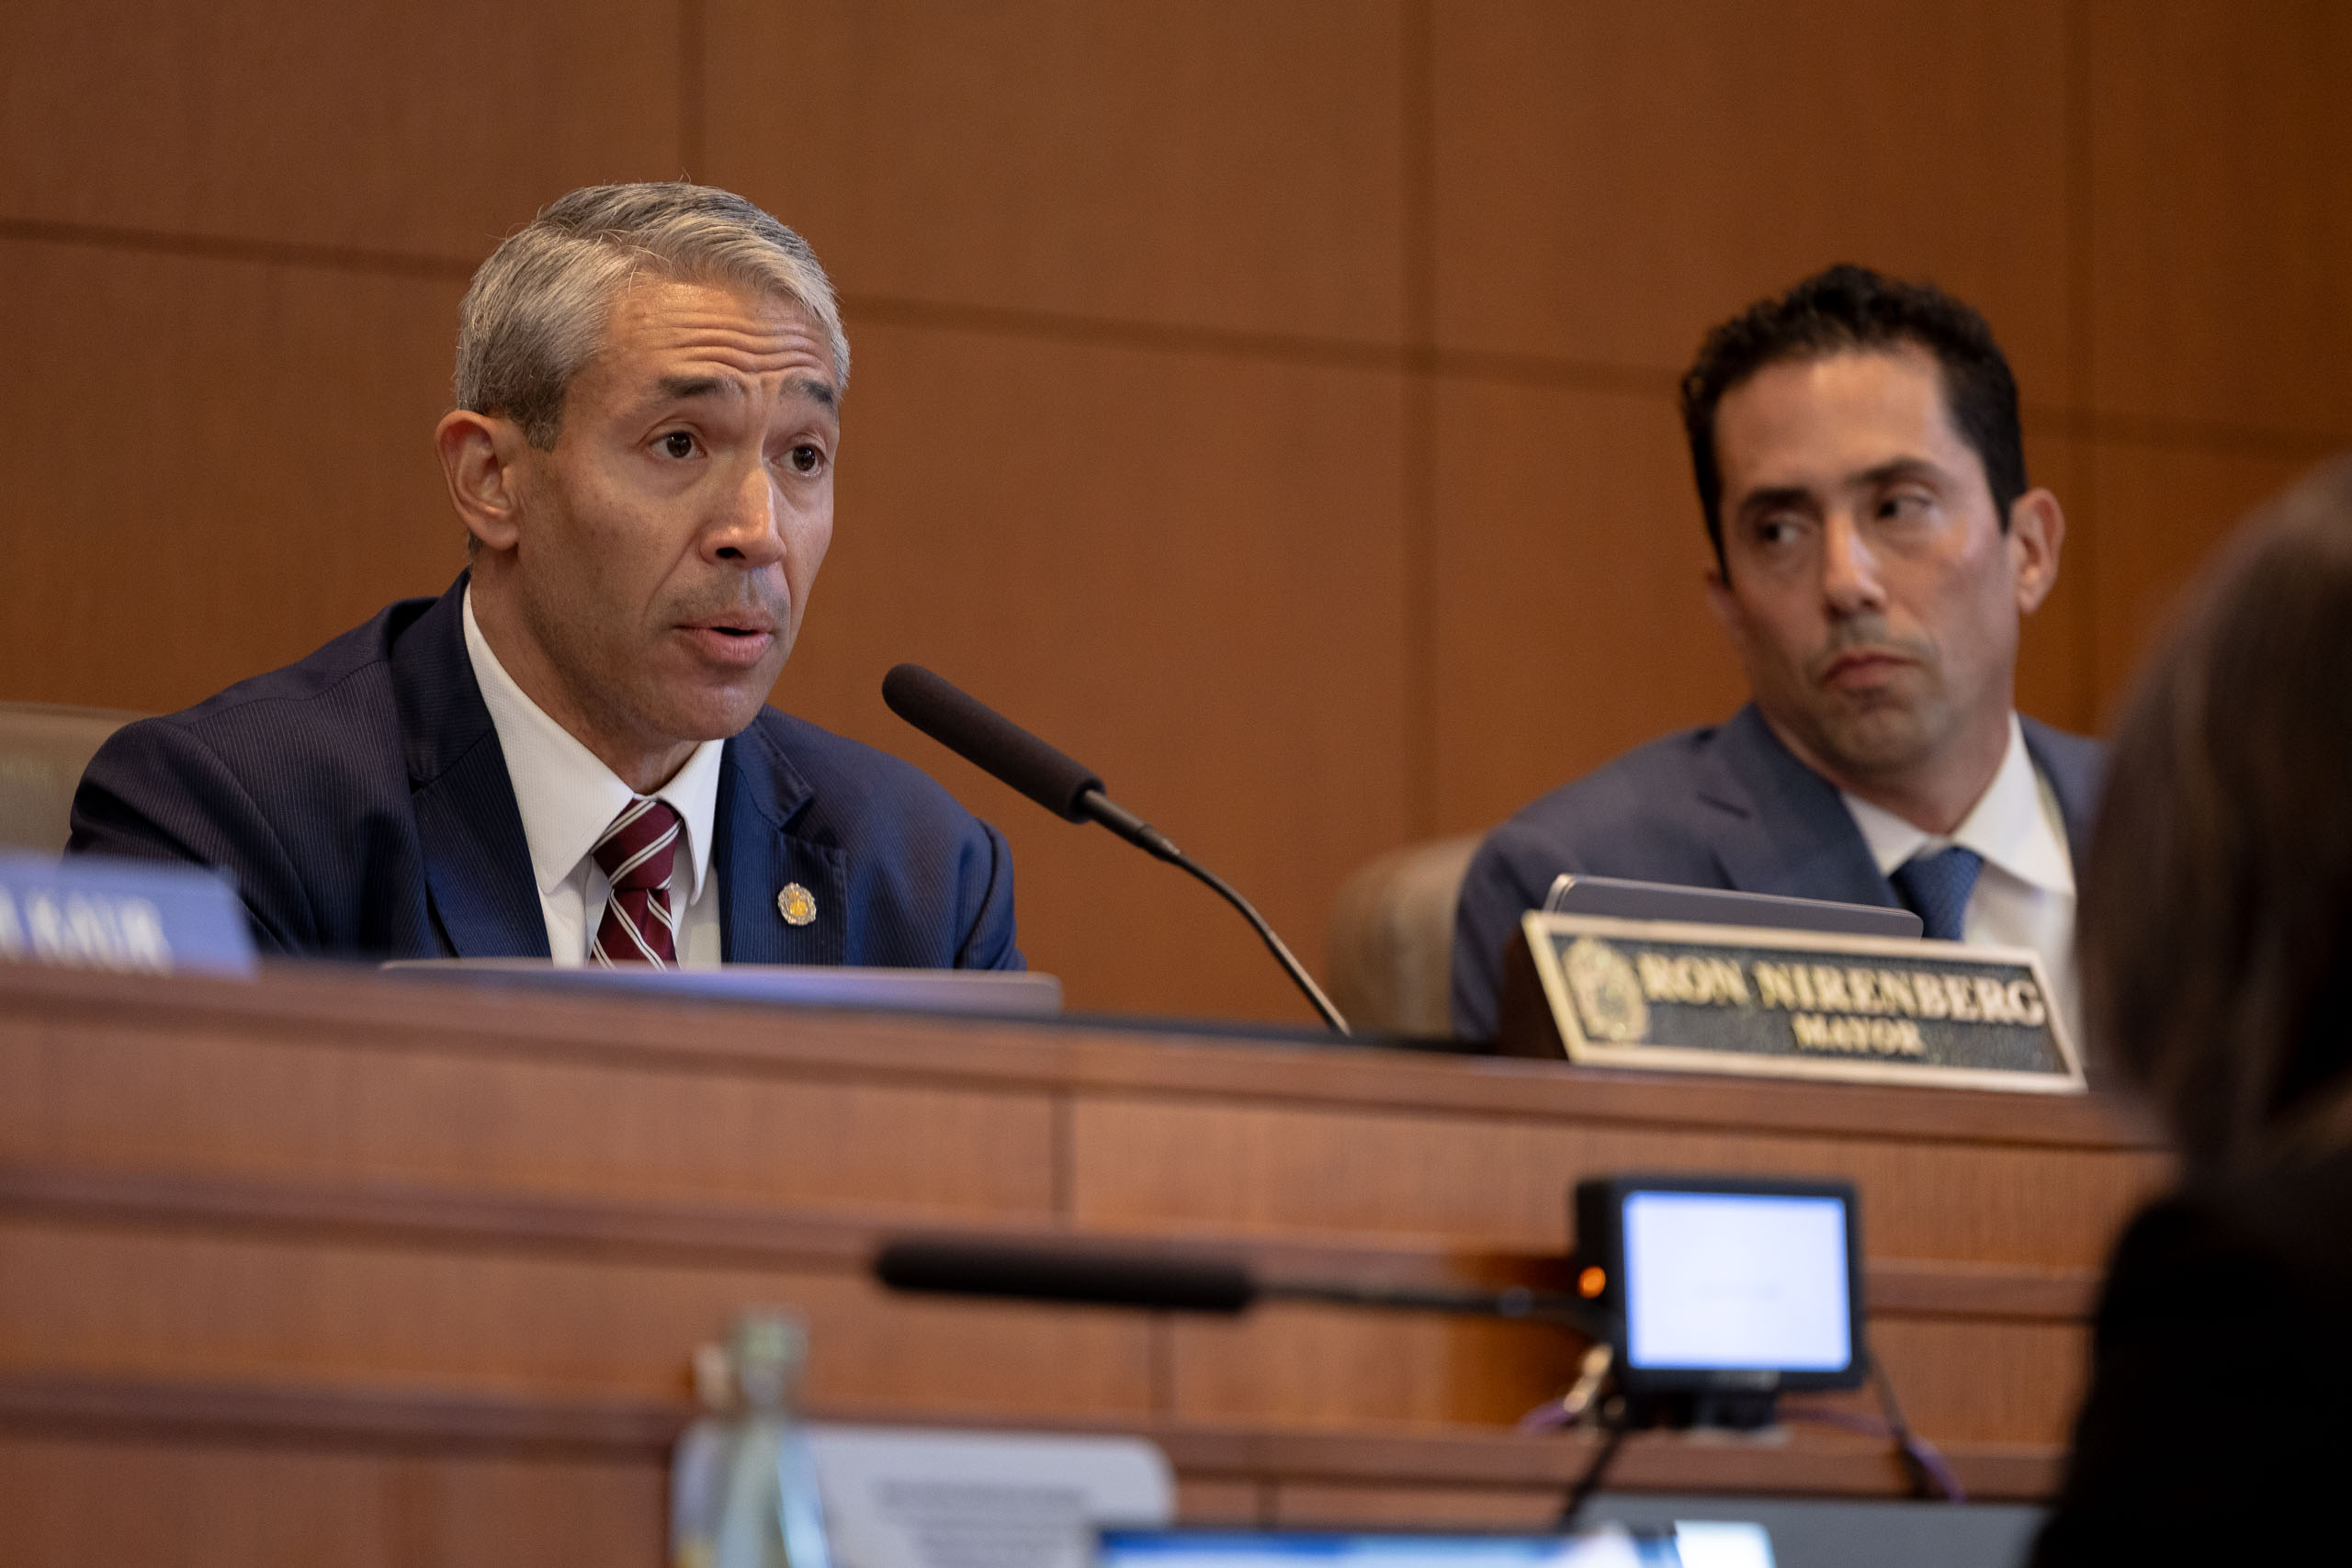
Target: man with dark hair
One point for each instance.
(1862, 480)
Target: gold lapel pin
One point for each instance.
(795, 904)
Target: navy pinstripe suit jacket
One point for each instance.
(361, 801)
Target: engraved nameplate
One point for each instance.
(1800, 1004)
(132, 917)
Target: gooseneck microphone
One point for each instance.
(1175, 1282)
(1068, 788)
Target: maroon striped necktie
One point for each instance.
(637, 853)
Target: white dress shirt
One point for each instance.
(2025, 894)
(569, 798)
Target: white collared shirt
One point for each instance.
(2025, 894)
(568, 797)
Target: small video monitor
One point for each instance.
(1724, 1283)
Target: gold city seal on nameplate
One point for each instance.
(795, 904)
(1607, 990)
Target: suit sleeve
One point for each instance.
(990, 936)
(1495, 894)
(155, 790)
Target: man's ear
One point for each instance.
(481, 457)
(2036, 530)
(1721, 600)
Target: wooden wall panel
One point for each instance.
(1184, 569)
(1335, 1366)
(1312, 1171)
(1232, 163)
(1304, 1503)
(1613, 179)
(2220, 188)
(553, 1129)
(1567, 537)
(1937, 1366)
(2165, 508)
(427, 129)
(1342, 1366)
(133, 1302)
(1204, 1502)
(76, 1503)
(212, 466)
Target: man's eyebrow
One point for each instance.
(816, 392)
(1774, 497)
(678, 389)
(1896, 470)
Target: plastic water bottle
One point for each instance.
(745, 1489)
(698, 1465)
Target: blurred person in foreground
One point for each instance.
(2217, 974)
(1862, 476)
(570, 754)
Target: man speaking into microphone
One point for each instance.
(569, 753)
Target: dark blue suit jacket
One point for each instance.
(361, 801)
(1724, 806)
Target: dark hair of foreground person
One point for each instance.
(2216, 943)
(2216, 934)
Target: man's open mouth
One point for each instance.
(731, 642)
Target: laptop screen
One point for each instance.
(1709, 1546)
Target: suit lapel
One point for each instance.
(2075, 768)
(477, 862)
(757, 854)
(1778, 827)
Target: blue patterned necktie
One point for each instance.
(1936, 888)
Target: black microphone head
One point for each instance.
(989, 740)
(1028, 1272)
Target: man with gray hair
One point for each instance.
(569, 754)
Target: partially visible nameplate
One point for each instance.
(133, 917)
(912, 1497)
(1800, 1004)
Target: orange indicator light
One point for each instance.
(1592, 1281)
